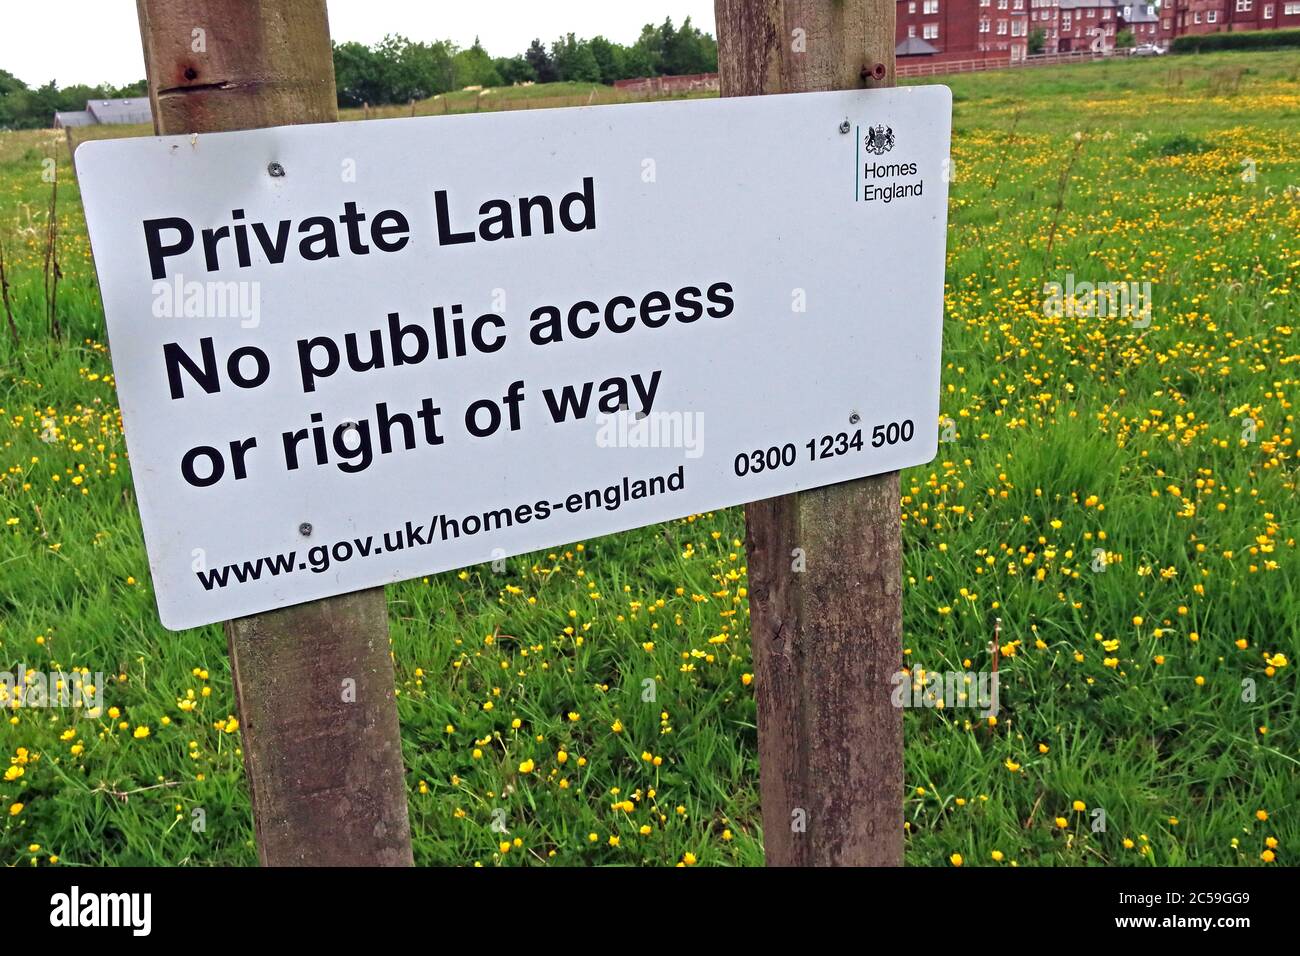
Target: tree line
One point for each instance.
(22, 107)
(398, 69)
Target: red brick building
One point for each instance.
(966, 29)
(1143, 19)
(1217, 16)
(1045, 15)
(1088, 25)
(941, 30)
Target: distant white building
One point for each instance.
(135, 109)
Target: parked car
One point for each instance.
(1148, 49)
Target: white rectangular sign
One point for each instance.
(357, 353)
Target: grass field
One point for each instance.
(1160, 689)
(536, 97)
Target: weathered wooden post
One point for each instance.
(825, 566)
(313, 682)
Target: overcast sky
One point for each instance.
(93, 41)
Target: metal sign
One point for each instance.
(352, 354)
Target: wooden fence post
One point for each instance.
(825, 566)
(314, 682)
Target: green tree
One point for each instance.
(358, 75)
(14, 97)
(515, 69)
(42, 103)
(647, 52)
(414, 71)
(1124, 40)
(574, 60)
(541, 62)
(687, 50)
(610, 58)
(475, 68)
(708, 62)
(584, 68)
(139, 88)
(637, 62)
(1037, 40)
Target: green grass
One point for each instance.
(536, 97)
(1067, 429)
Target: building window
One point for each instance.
(1243, 6)
(1002, 28)
(1268, 11)
(1065, 19)
(984, 3)
(930, 31)
(1212, 16)
(984, 26)
(1291, 8)
(1018, 5)
(911, 7)
(1196, 17)
(930, 6)
(1002, 4)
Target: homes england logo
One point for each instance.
(880, 139)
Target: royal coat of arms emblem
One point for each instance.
(880, 139)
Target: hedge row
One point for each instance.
(1244, 40)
